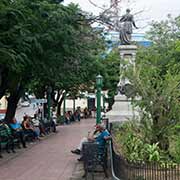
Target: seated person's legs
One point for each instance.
(42, 129)
(53, 125)
(32, 133)
(20, 135)
(79, 148)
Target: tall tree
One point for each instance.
(156, 79)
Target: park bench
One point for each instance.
(7, 139)
(94, 159)
(49, 126)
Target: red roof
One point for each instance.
(3, 111)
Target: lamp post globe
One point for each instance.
(99, 79)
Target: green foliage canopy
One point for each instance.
(156, 80)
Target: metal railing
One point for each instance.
(123, 170)
(112, 162)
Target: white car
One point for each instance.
(25, 104)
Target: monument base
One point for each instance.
(122, 109)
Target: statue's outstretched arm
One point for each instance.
(122, 19)
(134, 25)
(133, 22)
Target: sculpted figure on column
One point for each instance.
(128, 22)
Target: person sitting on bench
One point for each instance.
(92, 133)
(17, 131)
(28, 128)
(100, 135)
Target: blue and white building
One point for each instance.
(113, 38)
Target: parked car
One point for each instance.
(25, 104)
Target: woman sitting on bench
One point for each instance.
(28, 128)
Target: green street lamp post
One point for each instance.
(98, 97)
(64, 105)
(103, 103)
(49, 102)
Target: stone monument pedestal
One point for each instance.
(122, 109)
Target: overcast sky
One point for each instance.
(152, 9)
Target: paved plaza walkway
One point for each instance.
(49, 159)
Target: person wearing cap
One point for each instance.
(103, 136)
(91, 134)
(100, 135)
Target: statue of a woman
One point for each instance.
(127, 21)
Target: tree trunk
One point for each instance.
(2, 91)
(13, 100)
(59, 105)
(3, 81)
(74, 105)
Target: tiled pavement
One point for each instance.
(78, 172)
(49, 159)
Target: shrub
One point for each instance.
(60, 120)
(133, 145)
